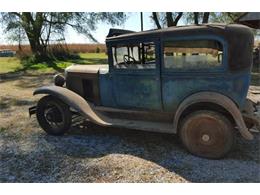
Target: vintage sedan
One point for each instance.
(190, 80)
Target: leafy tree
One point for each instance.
(41, 28)
(225, 17)
(165, 19)
(197, 17)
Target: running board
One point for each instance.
(142, 125)
(138, 123)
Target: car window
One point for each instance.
(134, 56)
(192, 54)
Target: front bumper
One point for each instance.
(32, 110)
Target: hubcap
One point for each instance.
(205, 138)
(53, 116)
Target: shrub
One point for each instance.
(97, 50)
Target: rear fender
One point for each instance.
(219, 99)
(75, 101)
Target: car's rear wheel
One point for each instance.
(53, 115)
(207, 134)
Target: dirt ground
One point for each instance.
(89, 153)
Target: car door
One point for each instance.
(136, 74)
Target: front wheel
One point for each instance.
(53, 115)
(207, 134)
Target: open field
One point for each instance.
(74, 48)
(13, 64)
(9, 64)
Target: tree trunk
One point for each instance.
(205, 18)
(155, 18)
(178, 18)
(36, 47)
(196, 17)
(169, 19)
(33, 29)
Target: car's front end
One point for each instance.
(81, 79)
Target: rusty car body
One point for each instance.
(190, 80)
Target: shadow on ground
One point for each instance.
(7, 102)
(91, 141)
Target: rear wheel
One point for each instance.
(53, 115)
(207, 134)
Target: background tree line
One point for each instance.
(168, 19)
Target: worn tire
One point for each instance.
(63, 110)
(207, 134)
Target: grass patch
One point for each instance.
(9, 64)
(13, 64)
(2, 129)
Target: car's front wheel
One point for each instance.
(207, 134)
(53, 115)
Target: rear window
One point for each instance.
(192, 54)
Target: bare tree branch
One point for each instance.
(178, 18)
(169, 19)
(155, 18)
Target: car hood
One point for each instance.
(77, 68)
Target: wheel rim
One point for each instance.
(54, 116)
(205, 136)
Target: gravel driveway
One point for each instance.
(89, 153)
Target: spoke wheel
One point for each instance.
(53, 115)
(207, 134)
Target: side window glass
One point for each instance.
(134, 56)
(193, 54)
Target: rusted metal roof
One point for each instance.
(175, 30)
(121, 33)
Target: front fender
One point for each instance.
(75, 101)
(219, 99)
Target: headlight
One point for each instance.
(59, 80)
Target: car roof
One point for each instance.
(115, 34)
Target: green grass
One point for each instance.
(9, 64)
(13, 64)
